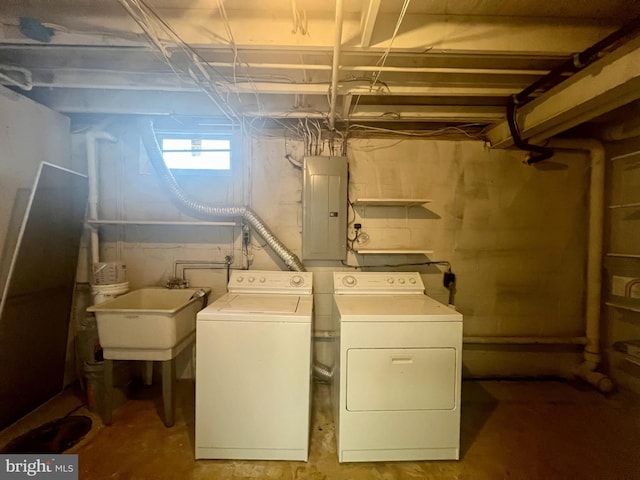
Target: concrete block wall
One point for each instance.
(515, 235)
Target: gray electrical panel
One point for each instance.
(324, 208)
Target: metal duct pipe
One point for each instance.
(322, 372)
(203, 210)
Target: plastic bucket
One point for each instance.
(102, 293)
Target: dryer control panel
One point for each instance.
(363, 283)
(262, 281)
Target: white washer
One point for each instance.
(397, 375)
(253, 368)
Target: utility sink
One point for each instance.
(149, 323)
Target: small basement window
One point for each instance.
(196, 154)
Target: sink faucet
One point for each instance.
(175, 282)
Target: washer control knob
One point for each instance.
(349, 281)
(239, 279)
(251, 279)
(297, 281)
(412, 281)
(262, 279)
(390, 280)
(401, 281)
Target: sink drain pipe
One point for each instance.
(207, 211)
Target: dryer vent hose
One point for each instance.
(207, 211)
(322, 372)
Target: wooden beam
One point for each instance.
(368, 21)
(603, 86)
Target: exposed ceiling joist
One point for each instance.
(448, 61)
(607, 84)
(368, 21)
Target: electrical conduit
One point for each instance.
(203, 210)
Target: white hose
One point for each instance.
(207, 211)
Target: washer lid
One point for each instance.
(394, 308)
(257, 307)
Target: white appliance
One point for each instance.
(397, 374)
(253, 368)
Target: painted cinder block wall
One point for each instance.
(515, 235)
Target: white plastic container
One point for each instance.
(103, 293)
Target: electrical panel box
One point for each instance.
(324, 208)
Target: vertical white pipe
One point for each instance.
(92, 138)
(592, 356)
(335, 70)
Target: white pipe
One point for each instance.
(92, 137)
(372, 68)
(592, 355)
(335, 69)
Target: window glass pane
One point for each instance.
(184, 153)
(200, 161)
(176, 144)
(211, 144)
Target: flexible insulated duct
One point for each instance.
(207, 211)
(322, 372)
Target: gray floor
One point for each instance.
(521, 430)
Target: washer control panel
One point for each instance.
(262, 281)
(362, 283)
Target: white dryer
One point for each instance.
(253, 368)
(397, 374)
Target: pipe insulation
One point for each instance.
(208, 211)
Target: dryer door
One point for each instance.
(388, 379)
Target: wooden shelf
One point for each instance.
(392, 202)
(622, 306)
(161, 223)
(392, 251)
(626, 155)
(623, 255)
(626, 205)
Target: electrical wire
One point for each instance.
(383, 59)
(209, 87)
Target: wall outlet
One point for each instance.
(628, 287)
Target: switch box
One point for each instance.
(324, 208)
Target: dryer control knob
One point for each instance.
(251, 279)
(349, 281)
(412, 281)
(262, 279)
(390, 280)
(239, 279)
(401, 281)
(297, 281)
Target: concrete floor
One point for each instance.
(522, 430)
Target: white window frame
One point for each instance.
(161, 136)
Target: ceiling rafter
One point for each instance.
(368, 21)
